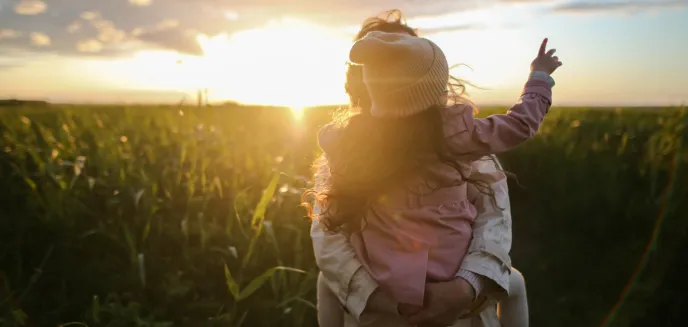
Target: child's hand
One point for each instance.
(406, 309)
(544, 61)
(444, 303)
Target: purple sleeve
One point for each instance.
(477, 137)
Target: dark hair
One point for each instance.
(372, 154)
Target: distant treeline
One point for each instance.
(19, 103)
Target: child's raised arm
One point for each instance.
(477, 137)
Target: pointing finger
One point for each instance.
(543, 46)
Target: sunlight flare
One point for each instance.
(298, 112)
(295, 63)
(291, 62)
(288, 62)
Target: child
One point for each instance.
(512, 311)
(399, 174)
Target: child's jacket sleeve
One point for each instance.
(477, 137)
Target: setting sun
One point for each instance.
(290, 63)
(298, 112)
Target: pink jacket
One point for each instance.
(411, 237)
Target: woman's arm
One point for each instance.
(343, 273)
(336, 258)
(488, 254)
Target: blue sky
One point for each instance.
(292, 52)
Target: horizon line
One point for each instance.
(241, 104)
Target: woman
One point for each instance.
(485, 272)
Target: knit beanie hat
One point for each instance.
(404, 74)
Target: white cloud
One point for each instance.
(74, 27)
(119, 23)
(90, 15)
(8, 34)
(232, 15)
(30, 7)
(141, 3)
(40, 39)
(618, 6)
(168, 23)
(110, 34)
(89, 46)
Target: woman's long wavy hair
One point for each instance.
(373, 154)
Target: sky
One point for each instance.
(293, 53)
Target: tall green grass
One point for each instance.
(162, 216)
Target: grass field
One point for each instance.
(168, 216)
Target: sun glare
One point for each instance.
(298, 112)
(288, 62)
(294, 63)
